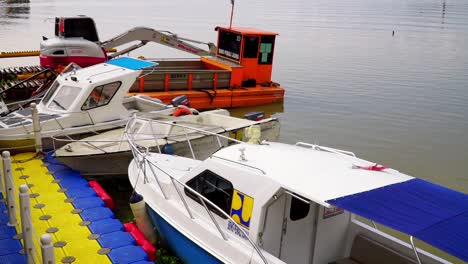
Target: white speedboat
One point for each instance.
(280, 203)
(82, 102)
(108, 153)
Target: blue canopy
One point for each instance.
(430, 212)
(132, 64)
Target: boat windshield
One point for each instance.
(64, 98)
(50, 92)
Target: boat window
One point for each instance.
(299, 209)
(64, 97)
(101, 95)
(266, 50)
(214, 188)
(50, 92)
(250, 47)
(59, 52)
(80, 28)
(229, 45)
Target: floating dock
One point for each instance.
(64, 205)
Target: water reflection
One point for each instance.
(269, 109)
(13, 9)
(443, 12)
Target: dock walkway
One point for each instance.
(63, 205)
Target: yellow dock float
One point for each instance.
(82, 228)
(49, 203)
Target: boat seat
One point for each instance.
(369, 251)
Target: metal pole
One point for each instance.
(415, 251)
(232, 13)
(213, 219)
(26, 223)
(10, 195)
(47, 249)
(189, 144)
(36, 128)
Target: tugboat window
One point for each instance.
(299, 209)
(266, 50)
(214, 188)
(101, 95)
(250, 47)
(229, 45)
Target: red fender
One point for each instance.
(141, 240)
(180, 111)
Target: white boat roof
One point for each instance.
(98, 72)
(315, 174)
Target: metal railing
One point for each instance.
(143, 162)
(368, 230)
(27, 123)
(63, 139)
(218, 136)
(332, 150)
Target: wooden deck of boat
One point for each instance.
(65, 206)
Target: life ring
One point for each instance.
(181, 111)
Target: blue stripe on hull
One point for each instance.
(186, 249)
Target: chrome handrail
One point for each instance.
(414, 249)
(199, 196)
(67, 139)
(205, 202)
(239, 163)
(318, 147)
(25, 119)
(217, 135)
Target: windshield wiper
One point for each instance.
(58, 104)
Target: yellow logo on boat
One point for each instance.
(241, 208)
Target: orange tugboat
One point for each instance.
(238, 76)
(235, 73)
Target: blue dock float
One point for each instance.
(86, 230)
(9, 246)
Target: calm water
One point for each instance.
(398, 100)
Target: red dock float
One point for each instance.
(102, 194)
(141, 240)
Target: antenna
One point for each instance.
(232, 13)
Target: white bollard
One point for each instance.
(8, 183)
(26, 223)
(2, 179)
(36, 128)
(47, 249)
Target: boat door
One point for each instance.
(289, 230)
(298, 231)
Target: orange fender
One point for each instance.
(180, 111)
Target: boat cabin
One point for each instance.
(298, 204)
(252, 48)
(99, 91)
(88, 99)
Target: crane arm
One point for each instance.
(145, 35)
